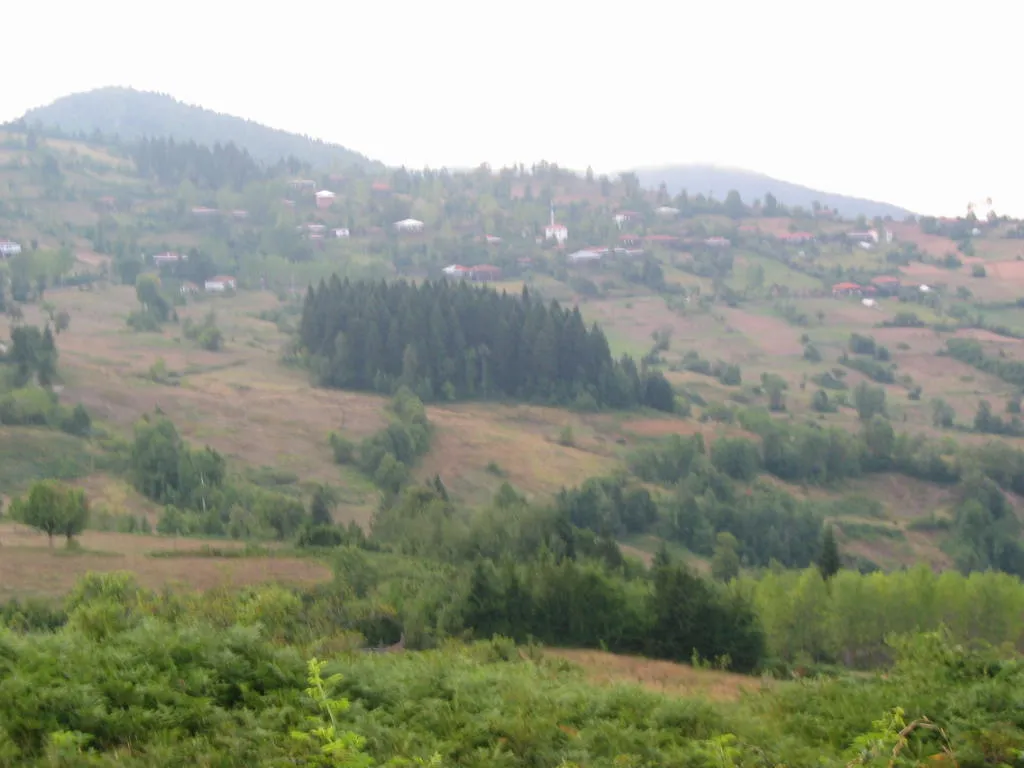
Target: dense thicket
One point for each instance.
(452, 341)
(170, 163)
(714, 492)
(529, 571)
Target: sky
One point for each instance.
(914, 103)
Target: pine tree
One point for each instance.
(829, 561)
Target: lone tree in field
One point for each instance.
(828, 559)
(53, 508)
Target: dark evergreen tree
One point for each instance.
(828, 559)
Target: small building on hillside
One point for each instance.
(630, 240)
(221, 283)
(585, 256)
(845, 289)
(454, 270)
(188, 289)
(9, 248)
(169, 257)
(325, 198)
(870, 236)
(341, 233)
(409, 225)
(627, 217)
(205, 212)
(492, 239)
(667, 211)
(483, 273)
(302, 184)
(240, 214)
(717, 242)
(557, 232)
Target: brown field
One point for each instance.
(29, 568)
(773, 335)
(660, 676)
(521, 441)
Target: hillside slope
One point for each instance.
(133, 114)
(751, 186)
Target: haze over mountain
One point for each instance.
(716, 181)
(132, 114)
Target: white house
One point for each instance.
(220, 283)
(492, 239)
(557, 232)
(341, 232)
(188, 288)
(9, 248)
(716, 242)
(409, 225)
(455, 270)
(667, 211)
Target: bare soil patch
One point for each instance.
(661, 676)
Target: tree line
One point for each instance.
(452, 341)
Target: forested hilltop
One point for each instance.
(134, 115)
(452, 341)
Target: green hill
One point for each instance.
(133, 114)
(703, 179)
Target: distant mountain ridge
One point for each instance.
(133, 114)
(705, 179)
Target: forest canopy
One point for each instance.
(452, 342)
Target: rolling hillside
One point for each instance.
(133, 114)
(751, 186)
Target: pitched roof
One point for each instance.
(845, 287)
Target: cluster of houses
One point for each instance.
(884, 285)
(9, 248)
(216, 284)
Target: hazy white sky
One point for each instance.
(913, 102)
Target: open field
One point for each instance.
(28, 568)
(661, 676)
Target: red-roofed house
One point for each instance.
(846, 289)
(324, 198)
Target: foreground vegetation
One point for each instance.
(130, 677)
